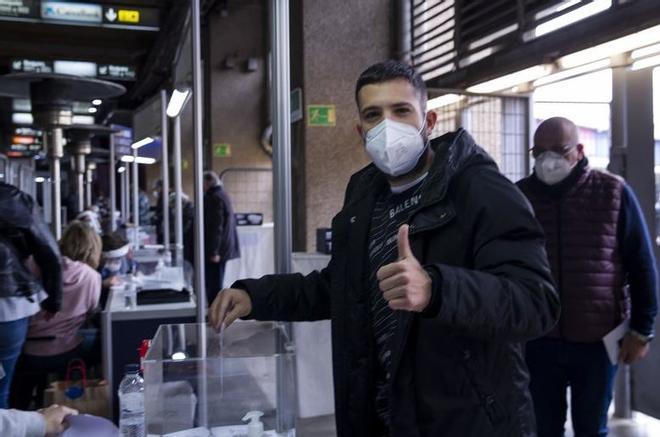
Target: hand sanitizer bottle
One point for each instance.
(255, 427)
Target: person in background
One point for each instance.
(221, 237)
(53, 341)
(438, 277)
(144, 208)
(602, 261)
(48, 422)
(23, 234)
(188, 219)
(91, 217)
(115, 261)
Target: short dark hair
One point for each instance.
(390, 70)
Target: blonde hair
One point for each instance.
(81, 243)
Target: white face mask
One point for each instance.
(394, 147)
(552, 168)
(113, 266)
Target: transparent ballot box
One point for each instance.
(196, 379)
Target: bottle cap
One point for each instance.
(131, 368)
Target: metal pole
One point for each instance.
(80, 180)
(90, 179)
(122, 194)
(178, 190)
(55, 144)
(281, 135)
(113, 185)
(200, 284)
(198, 150)
(136, 201)
(165, 189)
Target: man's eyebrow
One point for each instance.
(370, 108)
(394, 105)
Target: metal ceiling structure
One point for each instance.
(456, 43)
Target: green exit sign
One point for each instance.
(222, 150)
(321, 115)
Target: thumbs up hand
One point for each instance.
(405, 284)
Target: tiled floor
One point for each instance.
(640, 426)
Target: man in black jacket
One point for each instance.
(23, 234)
(221, 238)
(437, 278)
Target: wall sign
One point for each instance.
(222, 150)
(321, 115)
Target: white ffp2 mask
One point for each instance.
(394, 147)
(552, 168)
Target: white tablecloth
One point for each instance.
(257, 254)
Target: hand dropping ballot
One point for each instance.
(612, 341)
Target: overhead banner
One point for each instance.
(77, 12)
(19, 8)
(31, 66)
(131, 16)
(66, 12)
(116, 72)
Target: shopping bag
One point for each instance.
(89, 396)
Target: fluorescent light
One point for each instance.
(573, 16)
(121, 169)
(92, 110)
(444, 100)
(97, 102)
(86, 69)
(22, 118)
(611, 48)
(511, 80)
(139, 159)
(177, 102)
(142, 142)
(577, 71)
(39, 180)
(646, 62)
(83, 119)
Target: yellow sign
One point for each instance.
(128, 16)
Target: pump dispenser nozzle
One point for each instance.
(255, 427)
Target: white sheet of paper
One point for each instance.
(611, 341)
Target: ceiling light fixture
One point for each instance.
(177, 102)
(142, 142)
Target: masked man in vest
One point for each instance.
(438, 276)
(604, 268)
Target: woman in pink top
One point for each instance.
(52, 341)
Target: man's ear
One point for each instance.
(431, 119)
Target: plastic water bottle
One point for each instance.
(131, 403)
